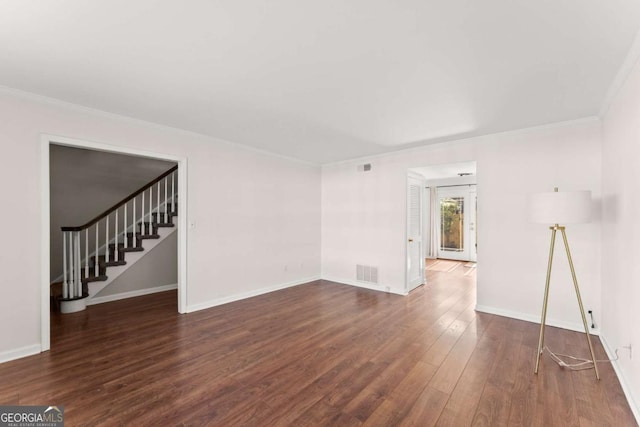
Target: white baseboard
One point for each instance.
(379, 287)
(244, 295)
(18, 353)
(578, 327)
(633, 403)
(131, 294)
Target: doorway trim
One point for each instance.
(45, 227)
(408, 286)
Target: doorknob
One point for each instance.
(410, 240)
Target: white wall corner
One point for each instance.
(623, 73)
(576, 327)
(379, 287)
(624, 383)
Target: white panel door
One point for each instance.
(415, 258)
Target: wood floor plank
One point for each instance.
(453, 365)
(494, 402)
(463, 401)
(427, 409)
(493, 408)
(524, 394)
(318, 354)
(397, 405)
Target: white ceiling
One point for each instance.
(322, 80)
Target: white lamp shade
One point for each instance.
(561, 207)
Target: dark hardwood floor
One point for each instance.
(321, 354)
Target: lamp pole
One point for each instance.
(561, 208)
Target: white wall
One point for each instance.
(364, 215)
(254, 213)
(621, 232)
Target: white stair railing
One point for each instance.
(81, 260)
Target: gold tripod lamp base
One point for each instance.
(554, 229)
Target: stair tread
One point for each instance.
(132, 249)
(92, 270)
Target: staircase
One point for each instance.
(96, 253)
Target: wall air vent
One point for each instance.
(367, 273)
(364, 168)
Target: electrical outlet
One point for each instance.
(630, 348)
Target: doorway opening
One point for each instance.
(445, 213)
(53, 146)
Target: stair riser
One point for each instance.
(147, 228)
(133, 239)
(111, 257)
(102, 270)
(170, 216)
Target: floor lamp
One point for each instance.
(566, 207)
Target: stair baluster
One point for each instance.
(95, 257)
(78, 279)
(133, 223)
(65, 284)
(115, 235)
(86, 254)
(72, 287)
(125, 227)
(106, 240)
(166, 203)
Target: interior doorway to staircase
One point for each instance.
(141, 211)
